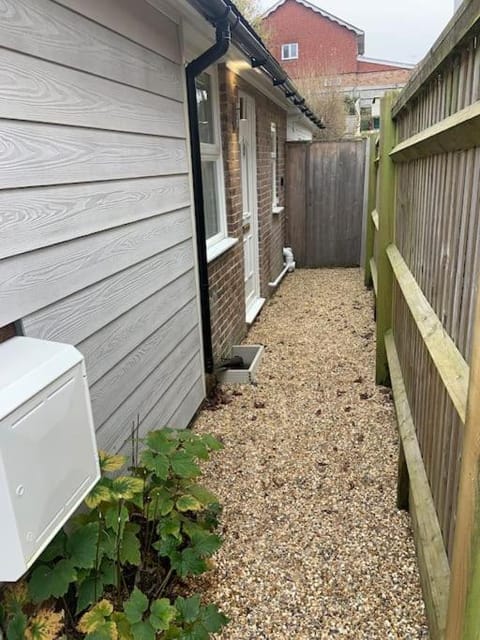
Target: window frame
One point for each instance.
(213, 152)
(288, 47)
(274, 167)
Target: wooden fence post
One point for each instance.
(371, 204)
(385, 234)
(463, 619)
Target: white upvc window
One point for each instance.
(212, 163)
(290, 51)
(273, 153)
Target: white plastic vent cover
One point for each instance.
(48, 453)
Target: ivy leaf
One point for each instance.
(189, 563)
(123, 626)
(82, 546)
(107, 631)
(46, 582)
(17, 627)
(188, 503)
(56, 548)
(100, 493)
(212, 443)
(110, 463)
(170, 527)
(95, 617)
(212, 619)
(115, 518)
(143, 630)
(196, 632)
(130, 545)
(202, 494)
(89, 591)
(162, 441)
(184, 466)
(135, 606)
(125, 487)
(166, 547)
(161, 503)
(205, 544)
(196, 448)
(157, 463)
(108, 571)
(189, 608)
(162, 614)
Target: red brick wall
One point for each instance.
(376, 79)
(365, 67)
(226, 273)
(324, 46)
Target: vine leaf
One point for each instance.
(126, 487)
(100, 493)
(110, 463)
(162, 441)
(157, 463)
(188, 503)
(213, 619)
(184, 466)
(135, 606)
(205, 544)
(188, 563)
(46, 582)
(82, 546)
(162, 614)
(143, 631)
(189, 608)
(130, 545)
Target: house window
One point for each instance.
(211, 154)
(273, 152)
(290, 51)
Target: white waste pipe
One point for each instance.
(288, 266)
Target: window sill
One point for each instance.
(219, 248)
(277, 210)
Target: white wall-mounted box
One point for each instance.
(48, 452)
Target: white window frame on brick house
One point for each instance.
(273, 154)
(290, 51)
(212, 160)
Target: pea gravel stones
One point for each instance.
(314, 545)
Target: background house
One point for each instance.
(314, 44)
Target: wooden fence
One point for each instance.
(325, 185)
(423, 260)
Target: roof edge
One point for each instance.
(325, 14)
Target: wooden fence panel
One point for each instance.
(435, 258)
(325, 187)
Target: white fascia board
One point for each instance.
(387, 63)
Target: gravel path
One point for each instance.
(314, 546)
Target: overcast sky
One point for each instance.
(399, 30)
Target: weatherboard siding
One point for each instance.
(97, 242)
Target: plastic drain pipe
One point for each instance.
(289, 266)
(195, 68)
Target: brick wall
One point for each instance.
(395, 77)
(226, 273)
(324, 46)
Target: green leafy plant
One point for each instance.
(114, 571)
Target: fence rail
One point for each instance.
(423, 261)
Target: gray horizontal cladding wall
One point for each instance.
(96, 242)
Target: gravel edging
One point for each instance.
(314, 545)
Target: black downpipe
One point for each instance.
(195, 68)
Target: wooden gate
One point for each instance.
(325, 187)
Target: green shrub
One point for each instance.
(114, 572)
